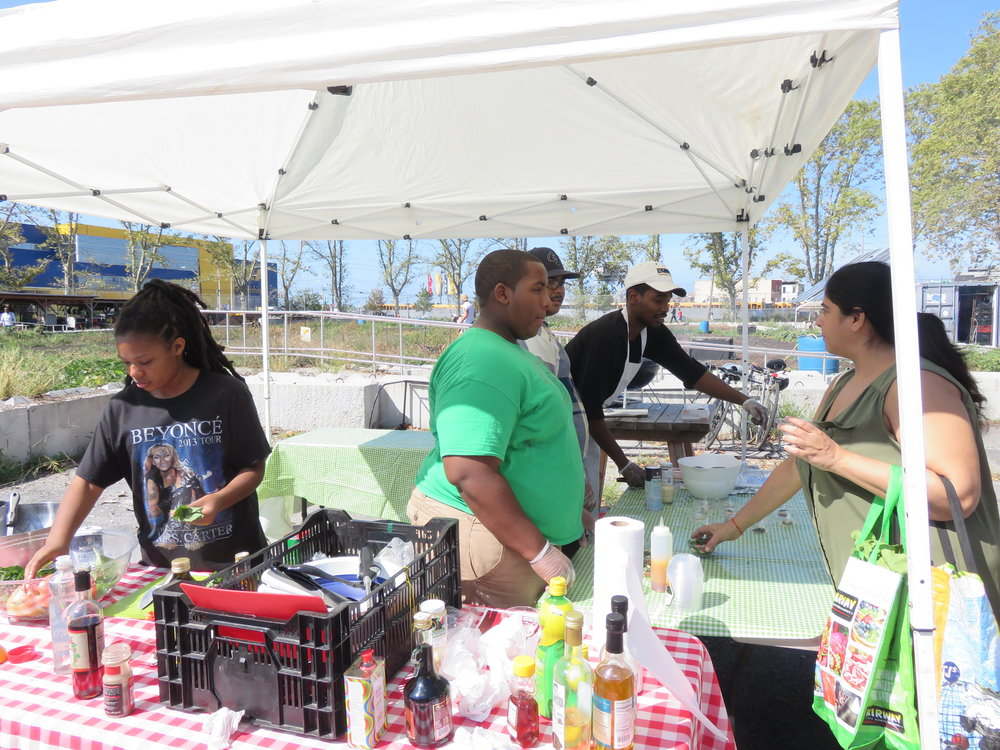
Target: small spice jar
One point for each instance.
(118, 696)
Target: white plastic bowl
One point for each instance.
(711, 475)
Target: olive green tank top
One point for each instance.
(840, 506)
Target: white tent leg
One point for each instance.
(744, 235)
(897, 183)
(265, 339)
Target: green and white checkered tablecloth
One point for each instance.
(362, 471)
(768, 586)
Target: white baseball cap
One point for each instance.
(655, 275)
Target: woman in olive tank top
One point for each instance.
(842, 459)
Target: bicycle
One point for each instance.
(764, 384)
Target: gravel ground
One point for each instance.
(768, 690)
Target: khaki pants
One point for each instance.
(492, 575)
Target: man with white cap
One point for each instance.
(606, 354)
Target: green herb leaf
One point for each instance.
(187, 513)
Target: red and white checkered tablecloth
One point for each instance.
(39, 712)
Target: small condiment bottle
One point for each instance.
(249, 584)
(439, 631)
(118, 696)
(661, 549)
(180, 569)
(522, 711)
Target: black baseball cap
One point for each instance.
(552, 263)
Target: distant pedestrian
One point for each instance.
(673, 314)
(7, 318)
(680, 315)
(468, 316)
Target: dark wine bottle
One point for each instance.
(85, 625)
(427, 703)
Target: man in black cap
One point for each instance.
(607, 353)
(548, 348)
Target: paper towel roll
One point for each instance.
(618, 547)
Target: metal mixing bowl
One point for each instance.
(31, 526)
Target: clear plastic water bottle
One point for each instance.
(62, 595)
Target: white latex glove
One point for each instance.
(554, 563)
(755, 409)
(634, 475)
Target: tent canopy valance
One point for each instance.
(474, 118)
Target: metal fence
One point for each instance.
(379, 342)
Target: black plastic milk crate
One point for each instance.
(289, 675)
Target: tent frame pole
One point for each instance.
(911, 428)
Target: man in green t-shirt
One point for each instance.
(506, 463)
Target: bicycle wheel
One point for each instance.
(719, 417)
(763, 434)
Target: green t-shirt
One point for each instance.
(489, 397)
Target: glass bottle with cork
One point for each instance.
(572, 691)
(522, 710)
(551, 619)
(439, 632)
(614, 693)
(427, 695)
(85, 625)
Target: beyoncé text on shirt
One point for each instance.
(196, 428)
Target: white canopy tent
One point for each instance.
(331, 119)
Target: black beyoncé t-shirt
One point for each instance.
(173, 451)
(597, 359)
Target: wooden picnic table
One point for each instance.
(664, 423)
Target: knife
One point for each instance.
(147, 598)
(12, 503)
(368, 570)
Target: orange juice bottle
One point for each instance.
(661, 549)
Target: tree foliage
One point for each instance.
(143, 250)
(458, 259)
(289, 263)
(332, 254)
(955, 140)
(398, 261)
(718, 256)
(424, 300)
(13, 276)
(602, 262)
(375, 302)
(831, 200)
(60, 239)
(240, 260)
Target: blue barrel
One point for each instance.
(816, 364)
(703, 326)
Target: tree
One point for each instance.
(142, 252)
(457, 258)
(12, 275)
(398, 260)
(332, 253)
(289, 265)
(241, 261)
(60, 238)
(375, 302)
(718, 255)
(606, 259)
(955, 132)
(831, 200)
(306, 299)
(424, 300)
(506, 243)
(648, 249)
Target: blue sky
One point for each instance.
(933, 36)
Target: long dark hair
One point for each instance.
(867, 287)
(166, 311)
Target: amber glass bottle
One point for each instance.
(614, 693)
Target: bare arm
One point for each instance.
(493, 502)
(245, 482)
(76, 504)
(949, 446)
(775, 492)
(602, 436)
(713, 386)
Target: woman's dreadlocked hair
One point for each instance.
(166, 311)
